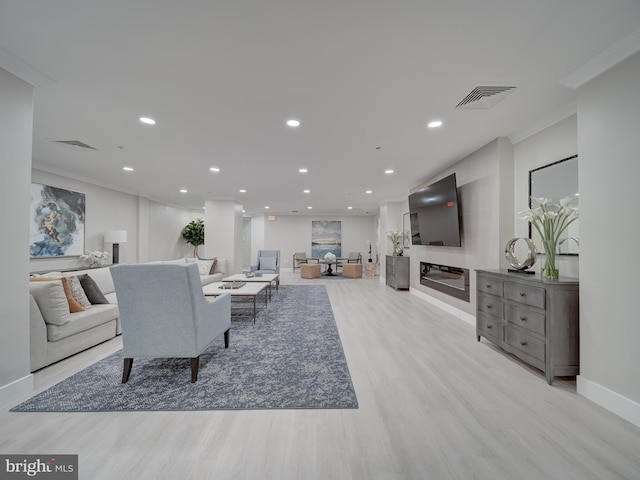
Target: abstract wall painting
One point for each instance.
(56, 222)
(326, 236)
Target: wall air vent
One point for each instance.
(75, 144)
(485, 96)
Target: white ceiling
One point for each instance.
(222, 77)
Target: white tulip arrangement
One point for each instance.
(550, 221)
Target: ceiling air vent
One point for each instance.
(485, 97)
(75, 144)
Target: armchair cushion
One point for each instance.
(267, 263)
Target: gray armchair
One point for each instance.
(268, 262)
(164, 313)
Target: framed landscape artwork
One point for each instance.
(326, 236)
(56, 222)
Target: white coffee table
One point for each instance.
(250, 289)
(268, 278)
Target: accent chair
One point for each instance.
(164, 313)
(354, 257)
(268, 262)
(298, 259)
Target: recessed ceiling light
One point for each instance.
(349, 207)
(147, 120)
(183, 190)
(128, 169)
(369, 192)
(303, 170)
(388, 171)
(242, 190)
(306, 191)
(214, 169)
(309, 207)
(435, 124)
(266, 207)
(293, 123)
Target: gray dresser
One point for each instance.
(397, 272)
(536, 320)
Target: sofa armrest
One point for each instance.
(37, 336)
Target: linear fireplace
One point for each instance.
(453, 281)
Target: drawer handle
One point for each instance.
(489, 307)
(488, 286)
(523, 319)
(523, 343)
(489, 326)
(522, 294)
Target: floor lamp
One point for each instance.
(116, 237)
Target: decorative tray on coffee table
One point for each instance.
(232, 285)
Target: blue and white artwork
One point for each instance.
(326, 236)
(56, 222)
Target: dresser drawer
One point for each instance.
(529, 319)
(524, 342)
(490, 285)
(490, 305)
(490, 327)
(525, 294)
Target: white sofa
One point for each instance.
(56, 333)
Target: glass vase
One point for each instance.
(549, 269)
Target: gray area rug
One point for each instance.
(291, 358)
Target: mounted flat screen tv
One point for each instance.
(433, 214)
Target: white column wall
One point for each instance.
(16, 125)
(223, 232)
(608, 149)
(485, 191)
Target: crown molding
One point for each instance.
(22, 70)
(602, 62)
(554, 117)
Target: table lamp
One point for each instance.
(116, 237)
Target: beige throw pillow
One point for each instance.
(74, 306)
(51, 300)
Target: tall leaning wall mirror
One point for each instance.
(555, 181)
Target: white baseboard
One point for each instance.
(456, 312)
(16, 390)
(612, 401)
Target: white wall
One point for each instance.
(164, 231)
(292, 233)
(16, 114)
(552, 144)
(105, 210)
(153, 229)
(609, 159)
(390, 219)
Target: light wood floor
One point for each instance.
(434, 404)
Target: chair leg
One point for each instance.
(226, 338)
(195, 363)
(126, 371)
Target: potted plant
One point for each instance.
(193, 233)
